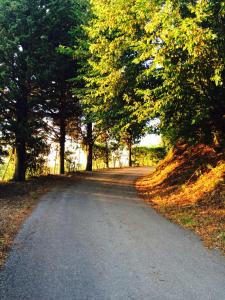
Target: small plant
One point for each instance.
(187, 220)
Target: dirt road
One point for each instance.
(97, 240)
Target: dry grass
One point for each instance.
(17, 200)
(188, 188)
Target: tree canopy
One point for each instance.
(162, 59)
(109, 68)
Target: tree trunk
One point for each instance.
(89, 147)
(130, 154)
(21, 139)
(107, 154)
(62, 140)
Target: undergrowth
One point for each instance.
(188, 188)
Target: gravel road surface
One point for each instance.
(97, 240)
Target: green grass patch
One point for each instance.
(188, 221)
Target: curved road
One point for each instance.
(97, 240)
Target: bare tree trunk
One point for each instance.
(21, 139)
(130, 154)
(107, 154)
(89, 147)
(62, 140)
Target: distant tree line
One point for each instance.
(148, 156)
(100, 71)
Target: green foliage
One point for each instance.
(147, 156)
(186, 50)
(125, 62)
(3, 154)
(34, 75)
(110, 96)
(100, 154)
(157, 59)
(22, 69)
(64, 21)
(37, 157)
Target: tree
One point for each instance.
(111, 79)
(34, 75)
(21, 64)
(64, 21)
(159, 59)
(148, 155)
(184, 47)
(78, 51)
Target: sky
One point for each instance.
(150, 140)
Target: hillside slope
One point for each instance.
(188, 188)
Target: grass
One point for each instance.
(17, 200)
(187, 220)
(188, 188)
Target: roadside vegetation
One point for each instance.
(188, 188)
(148, 156)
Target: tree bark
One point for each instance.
(21, 139)
(130, 154)
(89, 147)
(107, 154)
(62, 140)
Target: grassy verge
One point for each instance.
(188, 188)
(17, 200)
